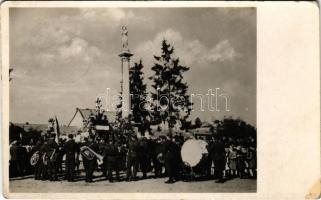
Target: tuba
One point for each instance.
(90, 154)
(34, 158)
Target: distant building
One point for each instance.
(84, 114)
(64, 130)
(164, 126)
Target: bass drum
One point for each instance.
(194, 152)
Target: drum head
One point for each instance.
(193, 151)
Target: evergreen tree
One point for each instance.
(171, 101)
(138, 93)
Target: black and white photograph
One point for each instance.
(133, 100)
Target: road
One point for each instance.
(150, 185)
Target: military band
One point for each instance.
(122, 154)
(120, 158)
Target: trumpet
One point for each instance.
(90, 154)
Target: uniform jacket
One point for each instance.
(70, 148)
(132, 148)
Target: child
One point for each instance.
(232, 160)
(240, 164)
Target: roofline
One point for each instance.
(80, 113)
(77, 110)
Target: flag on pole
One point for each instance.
(57, 130)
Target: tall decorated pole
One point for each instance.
(125, 65)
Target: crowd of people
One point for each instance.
(161, 156)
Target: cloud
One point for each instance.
(189, 51)
(223, 51)
(79, 48)
(68, 38)
(111, 15)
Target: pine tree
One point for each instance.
(171, 101)
(138, 93)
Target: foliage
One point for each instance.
(234, 128)
(138, 94)
(171, 101)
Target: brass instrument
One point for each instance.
(45, 159)
(90, 154)
(53, 156)
(160, 158)
(34, 158)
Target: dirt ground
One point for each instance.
(101, 185)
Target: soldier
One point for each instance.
(84, 159)
(15, 161)
(44, 159)
(132, 160)
(110, 160)
(71, 148)
(60, 154)
(217, 154)
(102, 145)
(157, 151)
(39, 163)
(51, 150)
(172, 160)
(91, 165)
(143, 157)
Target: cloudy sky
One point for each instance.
(63, 58)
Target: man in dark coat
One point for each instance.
(132, 159)
(110, 159)
(143, 156)
(157, 149)
(44, 160)
(51, 150)
(84, 159)
(217, 154)
(71, 148)
(90, 165)
(38, 165)
(60, 154)
(172, 160)
(16, 159)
